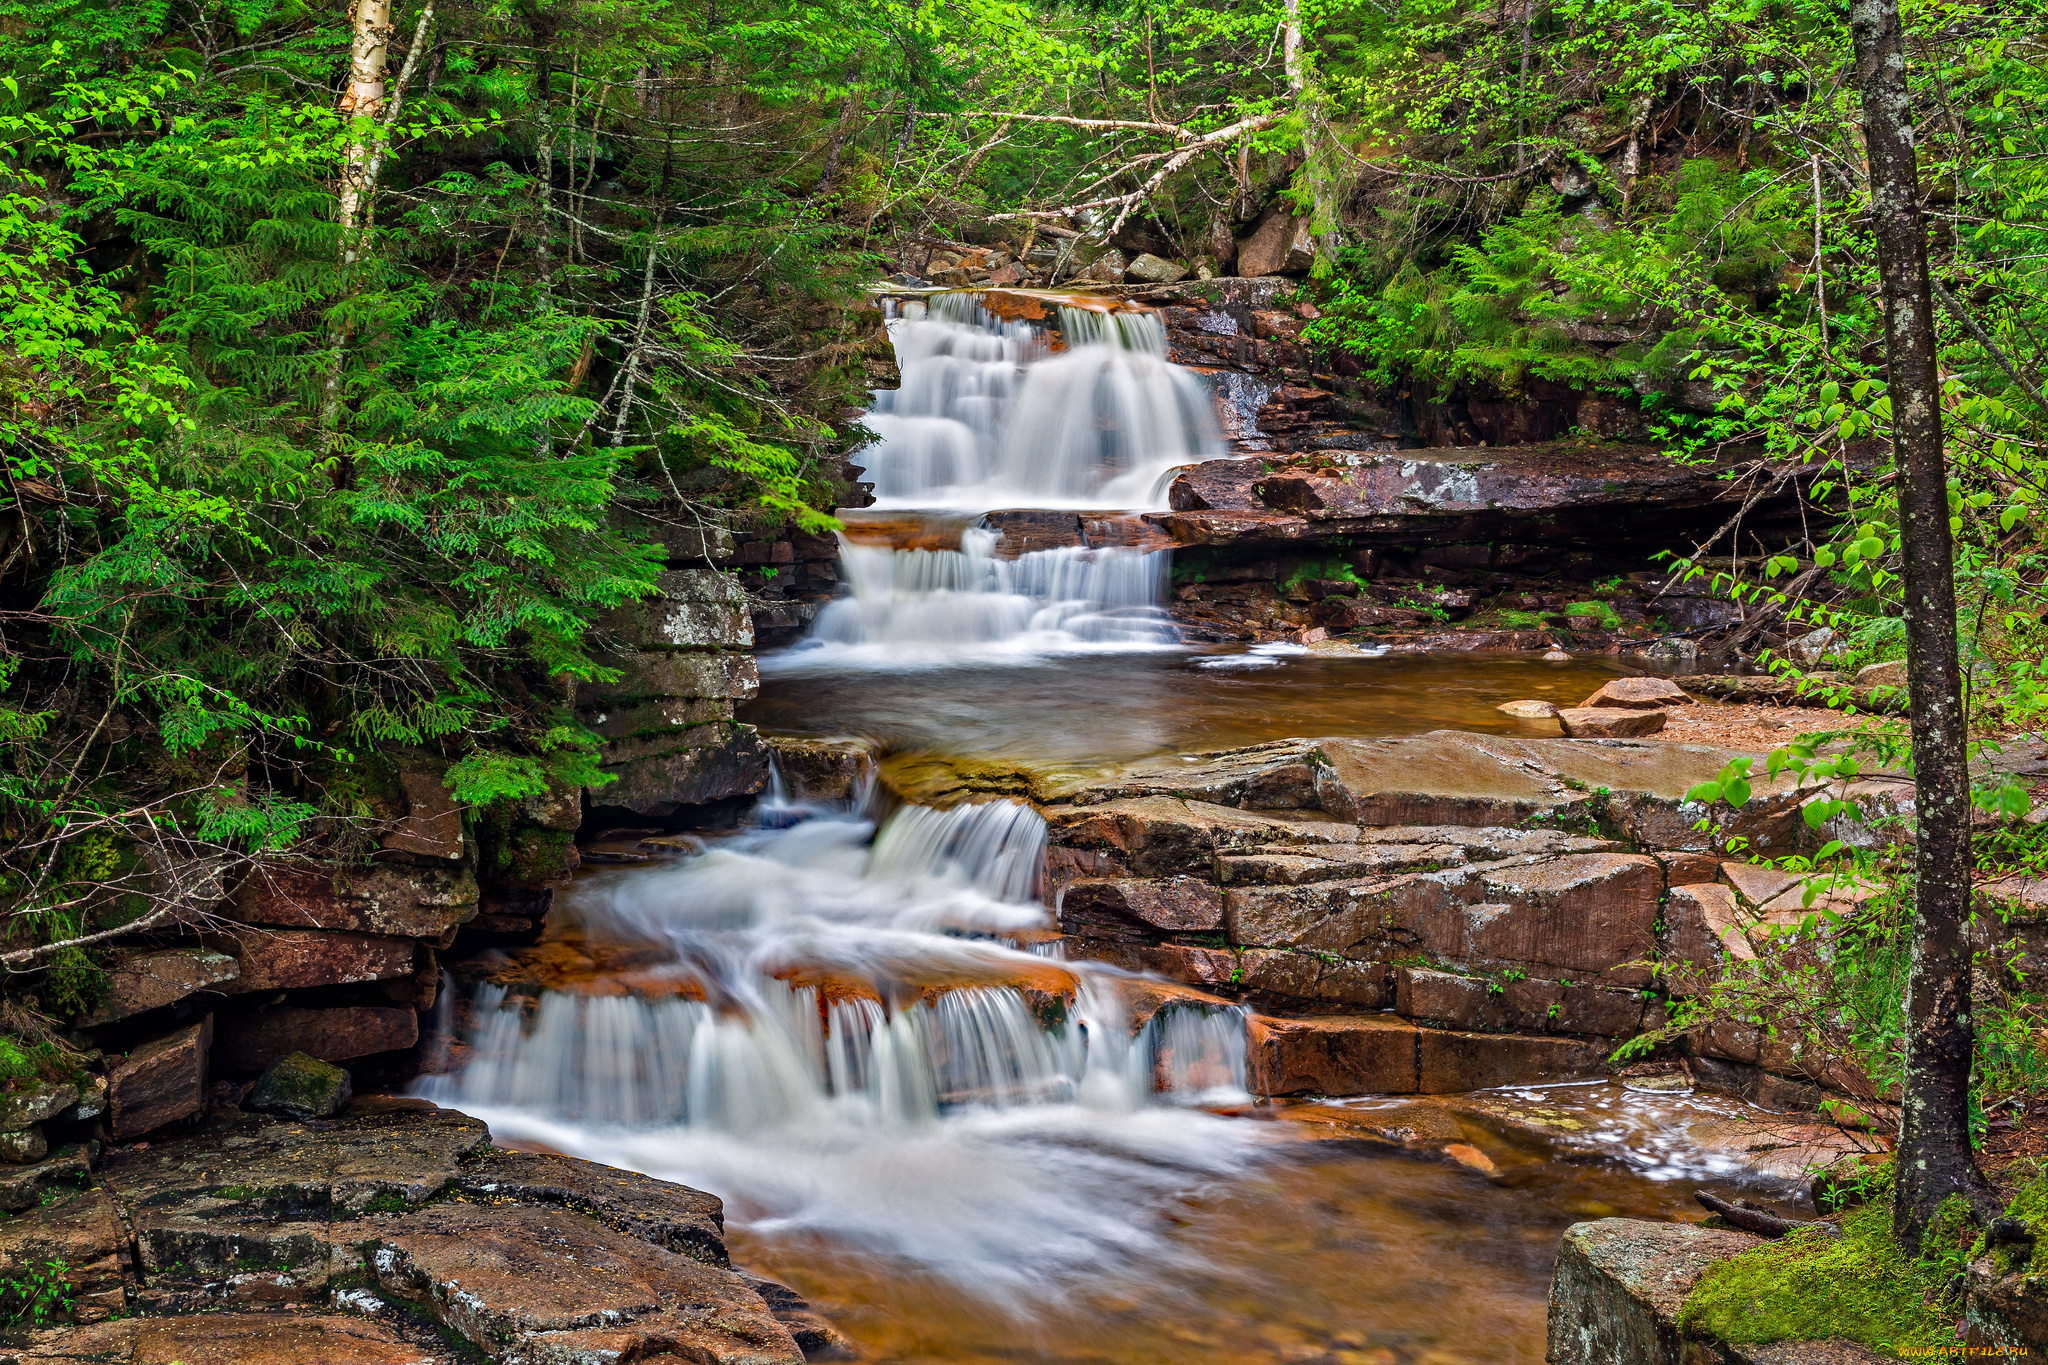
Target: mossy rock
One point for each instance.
(303, 1087)
(1810, 1286)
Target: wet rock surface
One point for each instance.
(1501, 899)
(249, 1233)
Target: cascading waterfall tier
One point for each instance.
(860, 1042)
(911, 607)
(989, 415)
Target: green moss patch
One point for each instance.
(1809, 1286)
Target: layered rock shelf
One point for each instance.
(393, 1235)
(1437, 913)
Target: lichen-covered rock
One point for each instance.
(152, 979)
(1618, 1286)
(301, 1087)
(36, 1102)
(2007, 1308)
(23, 1146)
(401, 901)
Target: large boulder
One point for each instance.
(1639, 694)
(1545, 493)
(1600, 722)
(521, 1257)
(1618, 1286)
(160, 1082)
(301, 1087)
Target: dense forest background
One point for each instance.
(336, 339)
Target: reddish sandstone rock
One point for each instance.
(551, 1284)
(81, 1229)
(411, 902)
(1525, 1004)
(1333, 1055)
(1704, 927)
(1600, 722)
(149, 980)
(158, 1083)
(252, 1042)
(1450, 1063)
(234, 1339)
(1639, 694)
(286, 959)
(1174, 904)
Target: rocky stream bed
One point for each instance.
(1094, 909)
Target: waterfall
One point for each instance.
(623, 1061)
(863, 1052)
(989, 415)
(906, 608)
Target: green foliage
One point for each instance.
(1858, 1287)
(37, 1295)
(288, 489)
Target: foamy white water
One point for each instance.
(926, 608)
(988, 416)
(1018, 1140)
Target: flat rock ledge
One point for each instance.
(1618, 1287)
(394, 1234)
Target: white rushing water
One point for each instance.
(915, 608)
(988, 416)
(1017, 1138)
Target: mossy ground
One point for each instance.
(1808, 1286)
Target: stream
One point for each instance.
(852, 1026)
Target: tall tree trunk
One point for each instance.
(372, 111)
(1934, 1158)
(1326, 222)
(363, 102)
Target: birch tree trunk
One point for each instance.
(362, 102)
(372, 109)
(1326, 222)
(1934, 1160)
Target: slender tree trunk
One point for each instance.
(1934, 1158)
(632, 379)
(1326, 222)
(1522, 88)
(372, 111)
(362, 101)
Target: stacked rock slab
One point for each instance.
(1440, 912)
(404, 1216)
(683, 660)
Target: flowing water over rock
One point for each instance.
(989, 414)
(861, 1032)
(908, 608)
(855, 1047)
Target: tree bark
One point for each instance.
(1326, 222)
(362, 101)
(1934, 1159)
(372, 110)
